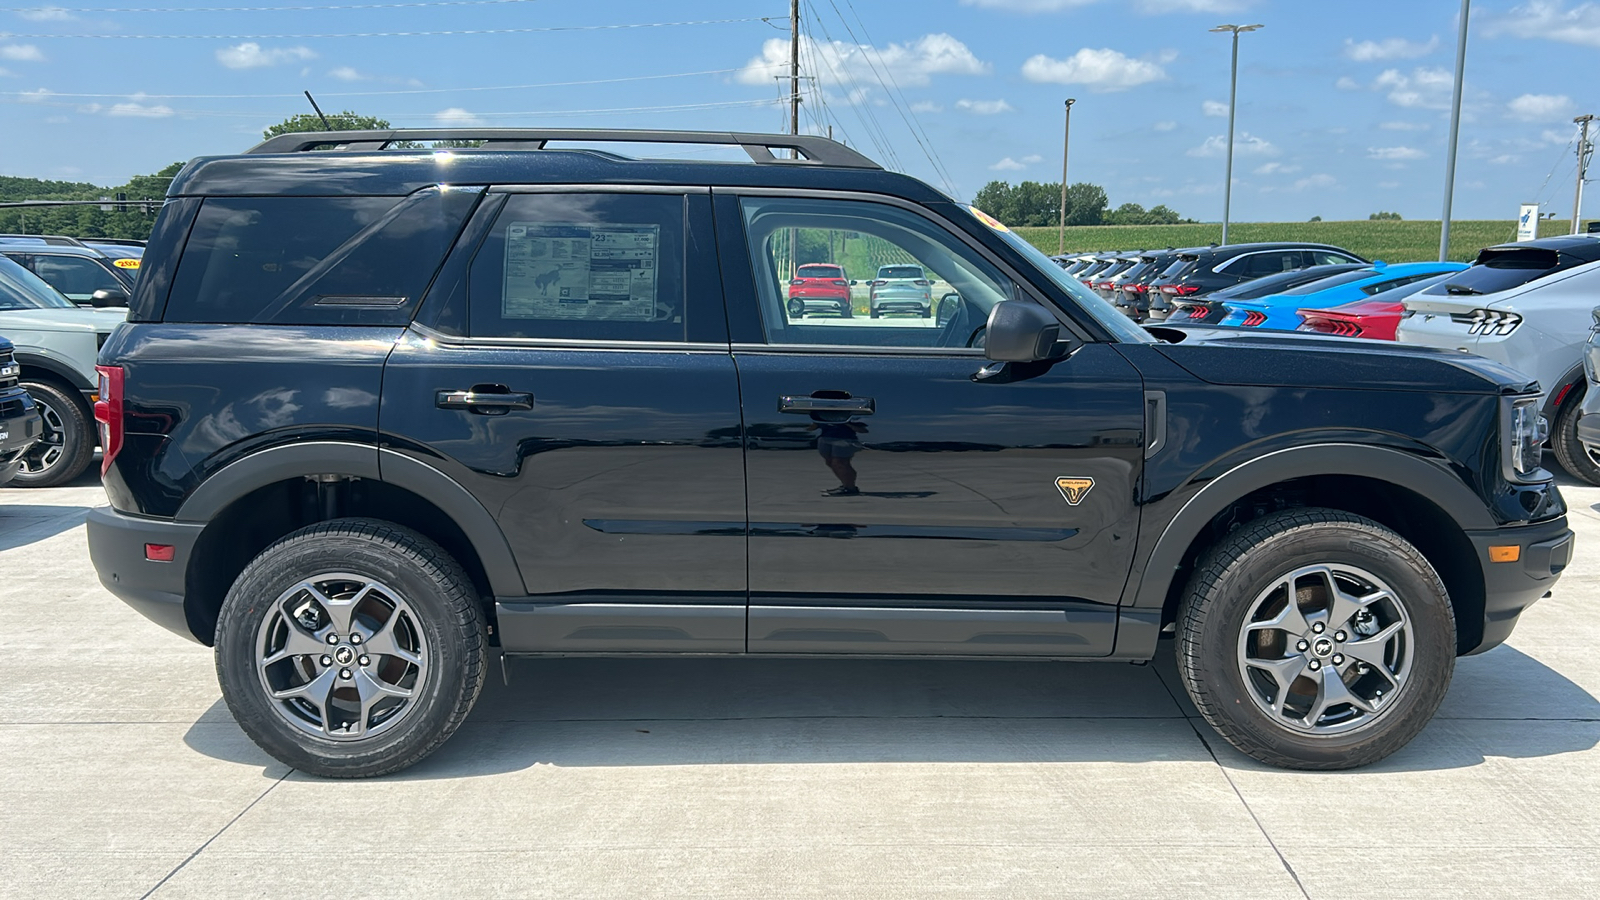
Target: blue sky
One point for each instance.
(1343, 107)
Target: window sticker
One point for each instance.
(577, 271)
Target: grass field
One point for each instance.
(1391, 241)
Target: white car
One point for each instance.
(900, 289)
(1526, 305)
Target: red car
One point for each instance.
(1376, 318)
(819, 286)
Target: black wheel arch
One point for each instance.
(1421, 500)
(48, 368)
(253, 501)
(1569, 389)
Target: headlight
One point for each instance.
(1523, 432)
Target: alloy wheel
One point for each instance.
(1326, 649)
(52, 442)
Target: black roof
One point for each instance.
(1582, 247)
(51, 250)
(1236, 249)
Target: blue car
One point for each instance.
(1278, 310)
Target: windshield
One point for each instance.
(1103, 312)
(819, 272)
(21, 289)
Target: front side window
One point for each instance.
(591, 266)
(76, 276)
(916, 286)
(1327, 258)
(1258, 264)
(21, 289)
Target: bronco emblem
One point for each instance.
(1073, 490)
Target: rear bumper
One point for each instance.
(1511, 587)
(117, 549)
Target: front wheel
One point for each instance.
(1316, 639)
(351, 648)
(66, 445)
(1580, 461)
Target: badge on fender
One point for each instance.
(1073, 490)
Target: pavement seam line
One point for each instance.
(198, 850)
(1227, 776)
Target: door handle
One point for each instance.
(488, 398)
(856, 406)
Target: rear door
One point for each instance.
(899, 502)
(571, 369)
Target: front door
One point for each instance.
(899, 501)
(574, 374)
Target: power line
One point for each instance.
(869, 121)
(412, 91)
(363, 34)
(203, 113)
(233, 9)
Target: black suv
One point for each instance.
(378, 412)
(20, 423)
(1196, 273)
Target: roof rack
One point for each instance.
(54, 240)
(807, 149)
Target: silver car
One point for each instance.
(56, 344)
(901, 289)
(1526, 305)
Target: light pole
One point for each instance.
(1455, 133)
(1066, 139)
(1233, 96)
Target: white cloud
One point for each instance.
(1346, 83)
(22, 53)
(250, 55)
(1424, 88)
(1246, 144)
(1165, 126)
(926, 106)
(36, 96)
(46, 14)
(1549, 20)
(455, 115)
(1276, 168)
(1541, 107)
(1028, 6)
(1319, 181)
(984, 107)
(140, 110)
(1214, 109)
(840, 66)
(1008, 165)
(1404, 126)
(1388, 185)
(1388, 48)
(1101, 70)
(1506, 159)
(1395, 154)
(346, 73)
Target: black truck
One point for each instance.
(379, 413)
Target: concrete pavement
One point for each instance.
(122, 774)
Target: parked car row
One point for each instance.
(1526, 305)
(60, 298)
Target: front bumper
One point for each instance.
(156, 589)
(1544, 550)
(20, 428)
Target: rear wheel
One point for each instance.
(1581, 461)
(797, 310)
(66, 446)
(846, 311)
(1316, 639)
(351, 648)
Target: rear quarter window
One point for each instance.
(314, 260)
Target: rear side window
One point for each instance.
(314, 260)
(1178, 266)
(1256, 265)
(592, 266)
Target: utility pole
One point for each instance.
(794, 66)
(1585, 150)
(1066, 140)
(1455, 133)
(1233, 97)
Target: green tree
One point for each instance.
(340, 121)
(1086, 204)
(1384, 217)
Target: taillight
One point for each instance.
(108, 412)
(1254, 318)
(1182, 289)
(921, 282)
(1198, 312)
(840, 283)
(796, 282)
(1314, 321)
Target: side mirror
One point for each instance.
(106, 298)
(1023, 332)
(854, 282)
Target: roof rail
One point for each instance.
(808, 149)
(55, 240)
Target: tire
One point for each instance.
(429, 612)
(797, 310)
(873, 313)
(67, 446)
(1570, 452)
(845, 310)
(927, 311)
(1226, 635)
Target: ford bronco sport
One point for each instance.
(378, 413)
